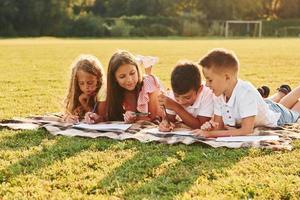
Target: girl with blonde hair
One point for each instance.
(87, 79)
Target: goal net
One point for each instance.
(243, 28)
(291, 31)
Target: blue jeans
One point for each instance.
(287, 116)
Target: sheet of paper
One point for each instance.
(250, 138)
(156, 131)
(103, 127)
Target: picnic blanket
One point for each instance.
(138, 131)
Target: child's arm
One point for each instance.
(247, 127)
(188, 118)
(153, 107)
(84, 99)
(153, 110)
(98, 116)
(102, 110)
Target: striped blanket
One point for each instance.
(138, 131)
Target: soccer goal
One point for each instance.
(251, 28)
(291, 31)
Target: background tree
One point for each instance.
(147, 17)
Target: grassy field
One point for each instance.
(35, 165)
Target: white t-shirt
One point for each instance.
(245, 101)
(203, 105)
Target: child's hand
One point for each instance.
(163, 100)
(200, 133)
(129, 116)
(210, 125)
(84, 99)
(91, 117)
(165, 126)
(71, 119)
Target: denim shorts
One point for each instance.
(287, 116)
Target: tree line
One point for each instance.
(136, 17)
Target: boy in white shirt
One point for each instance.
(190, 100)
(238, 106)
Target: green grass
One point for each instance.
(35, 165)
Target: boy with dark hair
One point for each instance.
(238, 106)
(190, 100)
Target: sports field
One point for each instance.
(34, 75)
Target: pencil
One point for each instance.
(95, 107)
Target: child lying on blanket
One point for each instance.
(190, 100)
(130, 96)
(238, 106)
(83, 95)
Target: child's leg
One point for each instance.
(148, 62)
(296, 107)
(282, 91)
(277, 96)
(148, 70)
(291, 100)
